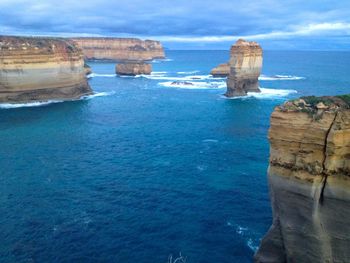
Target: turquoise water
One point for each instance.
(144, 169)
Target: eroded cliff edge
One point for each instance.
(309, 180)
(120, 49)
(38, 69)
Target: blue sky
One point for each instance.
(188, 24)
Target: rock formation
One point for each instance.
(221, 71)
(36, 69)
(120, 49)
(309, 180)
(133, 68)
(245, 66)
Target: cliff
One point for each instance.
(245, 67)
(133, 69)
(309, 180)
(221, 70)
(120, 49)
(35, 69)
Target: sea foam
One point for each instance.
(245, 233)
(280, 77)
(193, 84)
(94, 75)
(48, 102)
(266, 94)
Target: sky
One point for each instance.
(187, 24)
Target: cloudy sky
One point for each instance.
(188, 24)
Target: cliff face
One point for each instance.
(245, 67)
(34, 69)
(133, 69)
(309, 179)
(120, 49)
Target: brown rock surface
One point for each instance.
(133, 68)
(245, 67)
(309, 178)
(36, 69)
(221, 71)
(120, 49)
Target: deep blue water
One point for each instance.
(146, 171)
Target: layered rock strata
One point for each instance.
(221, 71)
(309, 180)
(245, 67)
(120, 49)
(133, 68)
(36, 69)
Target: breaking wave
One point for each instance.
(188, 72)
(48, 102)
(267, 94)
(193, 84)
(162, 60)
(93, 75)
(98, 94)
(280, 77)
(244, 232)
(185, 78)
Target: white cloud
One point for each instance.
(324, 29)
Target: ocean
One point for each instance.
(150, 166)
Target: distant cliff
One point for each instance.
(245, 67)
(222, 70)
(133, 69)
(309, 177)
(120, 49)
(36, 68)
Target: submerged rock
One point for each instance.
(119, 49)
(309, 180)
(245, 67)
(182, 83)
(37, 69)
(221, 71)
(133, 68)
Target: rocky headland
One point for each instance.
(120, 49)
(133, 68)
(37, 69)
(309, 180)
(245, 67)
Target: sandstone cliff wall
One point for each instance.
(120, 49)
(309, 178)
(34, 69)
(245, 67)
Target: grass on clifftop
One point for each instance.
(343, 101)
(315, 106)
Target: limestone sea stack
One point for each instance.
(120, 49)
(37, 69)
(245, 67)
(309, 180)
(133, 68)
(221, 71)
